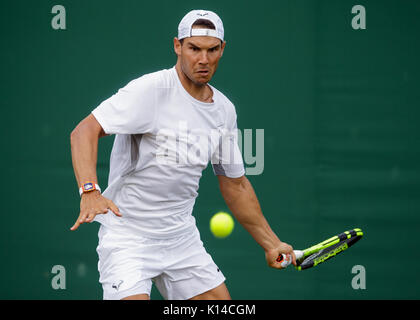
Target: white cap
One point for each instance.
(185, 30)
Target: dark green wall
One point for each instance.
(339, 108)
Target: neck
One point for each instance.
(201, 92)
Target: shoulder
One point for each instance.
(225, 103)
(153, 80)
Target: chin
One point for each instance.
(201, 81)
(204, 80)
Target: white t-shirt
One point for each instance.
(164, 139)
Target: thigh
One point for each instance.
(190, 271)
(126, 266)
(137, 297)
(221, 292)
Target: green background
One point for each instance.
(339, 108)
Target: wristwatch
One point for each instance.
(88, 187)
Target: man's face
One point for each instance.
(199, 57)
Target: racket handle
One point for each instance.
(285, 260)
(298, 254)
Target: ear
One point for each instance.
(177, 46)
(223, 48)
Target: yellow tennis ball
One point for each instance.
(221, 224)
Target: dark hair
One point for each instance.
(204, 23)
(207, 24)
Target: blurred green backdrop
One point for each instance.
(340, 110)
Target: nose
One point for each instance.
(203, 58)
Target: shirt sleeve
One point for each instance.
(227, 159)
(132, 110)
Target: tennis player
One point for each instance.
(169, 125)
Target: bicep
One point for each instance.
(96, 126)
(228, 185)
(90, 125)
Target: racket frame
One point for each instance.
(347, 238)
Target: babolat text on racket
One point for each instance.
(321, 252)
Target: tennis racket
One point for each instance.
(321, 252)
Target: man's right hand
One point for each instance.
(91, 204)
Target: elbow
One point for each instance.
(74, 136)
(72, 141)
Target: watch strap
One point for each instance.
(88, 187)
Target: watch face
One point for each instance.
(88, 187)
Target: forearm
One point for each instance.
(84, 151)
(243, 203)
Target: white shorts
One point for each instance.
(180, 267)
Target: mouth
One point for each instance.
(203, 72)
